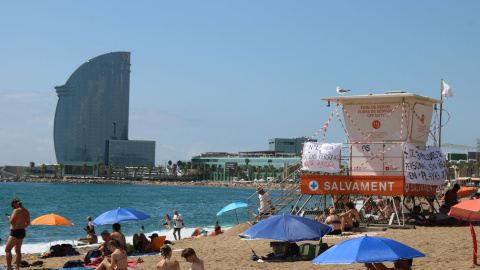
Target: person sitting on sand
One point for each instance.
(118, 259)
(420, 218)
(141, 243)
(335, 221)
(90, 239)
(103, 247)
(167, 263)
(398, 265)
(351, 217)
(117, 235)
(200, 232)
(189, 255)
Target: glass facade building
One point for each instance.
(282, 145)
(93, 108)
(131, 153)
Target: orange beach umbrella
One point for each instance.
(469, 210)
(53, 220)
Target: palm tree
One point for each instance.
(259, 170)
(252, 170)
(170, 163)
(84, 170)
(101, 170)
(61, 169)
(110, 171)
(74, 169)
(219, 171)
(55, 170)
(229, 171)
(265, 169)
(149, 170)
(32, 165)
(44, 169)
(124, 171)
(95, 167)
(273, 170)
(159, 171)
(469, 169)
(246, 169)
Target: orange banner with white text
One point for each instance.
(363, 185)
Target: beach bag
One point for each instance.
(94, 253)
(71, 264)
(56, 251)
(309, 251)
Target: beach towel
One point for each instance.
(89, 266)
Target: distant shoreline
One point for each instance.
(204, 183)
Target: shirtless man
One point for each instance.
(168, 263)
(191, 257)
(19, 220)
(117, 235)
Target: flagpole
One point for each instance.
(441, 103)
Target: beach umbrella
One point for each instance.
(290, 228)
(119, 215)
(367, 249)
(233, 206)
(53, 220)
(464, 192)
(469, 210)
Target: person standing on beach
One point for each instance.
(451, 197)
(178, 219)
(264, 202)
(168, 263)
(191, 257)
(19, 220)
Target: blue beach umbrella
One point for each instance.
(367, 249)
(290, 228)
(233, 206)
(119, 215)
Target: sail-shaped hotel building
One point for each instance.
(91, 119)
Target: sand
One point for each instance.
(444, 247)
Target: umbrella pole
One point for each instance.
(236, 215)
(474, 238)
(51, 234)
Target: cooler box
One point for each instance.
(309, 251)
(278, 248)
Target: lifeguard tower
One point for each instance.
(384, 166)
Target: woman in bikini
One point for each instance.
(335, 221)
(168, 262)
(351, 217)
(117, 260)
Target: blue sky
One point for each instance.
(229, 75)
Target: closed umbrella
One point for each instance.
(469, 210)
(119, 215)
(53, 220)
(367, 249)
(232, 207)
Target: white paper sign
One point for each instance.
(424, 166)
(321, 157)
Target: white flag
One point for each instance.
(447, 91)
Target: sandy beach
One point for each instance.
(444, 247)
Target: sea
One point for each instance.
(197, 204)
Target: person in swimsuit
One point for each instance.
(116, 261)
(168, 263)
(19, 220)
(103, 247)
(118, 235)
(168, 222)
(335, 221)
(351, 217)
(200, 232)
(89, 226)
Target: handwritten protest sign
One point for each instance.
(424, 166)
(321, 157)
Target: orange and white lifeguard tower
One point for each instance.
(386, 152)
